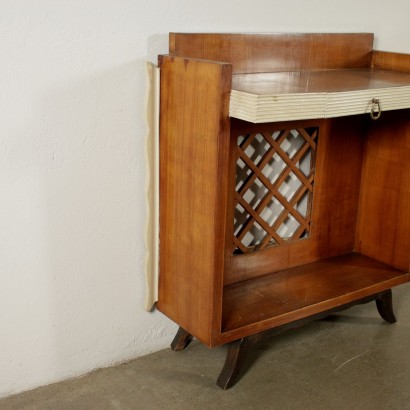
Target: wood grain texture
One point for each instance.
(384, 214)
(335, 200)
(239, 349)
(318, 81)
(361, 191)
(273, 300)
(391, 61)
(194, 139)
(258, 53)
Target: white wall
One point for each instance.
(72, 165)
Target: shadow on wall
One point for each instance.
(73, 253)
(77, 165)
(94, 178)
(94, 213)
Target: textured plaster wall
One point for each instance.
(72, 165)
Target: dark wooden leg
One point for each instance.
(234, 362)
(181, 340)
(238, 350)
(384, 303)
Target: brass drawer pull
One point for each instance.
(376, 111)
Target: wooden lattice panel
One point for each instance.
(274, 188)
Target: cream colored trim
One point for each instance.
(275, 97)
(152, 186)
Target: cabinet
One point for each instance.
(281, 200)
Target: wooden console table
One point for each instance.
(281, 200)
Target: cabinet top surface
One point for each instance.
(295, 76)
(307, 94)
(318, 81)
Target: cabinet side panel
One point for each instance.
(258, 53)
(384, 212)
(194, 149)
(391, 61)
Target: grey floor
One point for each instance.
(352, 360)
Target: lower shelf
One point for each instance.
(281, 297)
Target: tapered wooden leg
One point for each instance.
(239, 349)
(234, 362)
(181, 340)
(384, 303)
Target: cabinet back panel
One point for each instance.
(335, 201)
(391, 61)
(261, 53)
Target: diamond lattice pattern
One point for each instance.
(274, 188)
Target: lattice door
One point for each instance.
(274, 188)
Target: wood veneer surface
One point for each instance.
(258, 53)
(391, 61)
(195, 173)
(336, 190)
(383, 230)
(318, 81)
(194, 140)
(294, 293)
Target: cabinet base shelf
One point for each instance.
(238, 349)
(282, 297)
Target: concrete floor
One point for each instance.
(352, 360)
